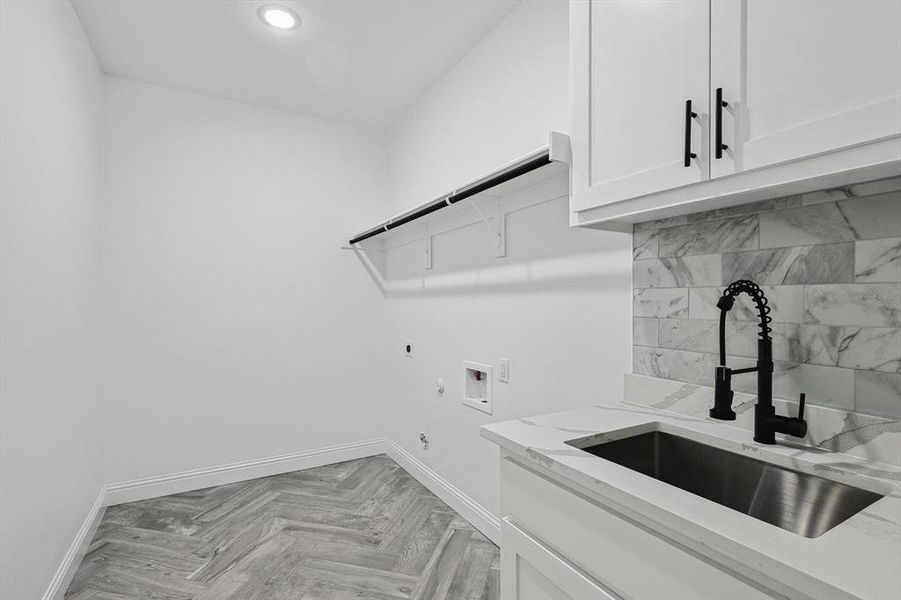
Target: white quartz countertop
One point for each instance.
(860, 557)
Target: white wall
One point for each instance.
(50, 442)
(558, 305)
(495, 105)
(235, 326)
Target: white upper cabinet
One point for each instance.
(641, 101)
(801, 78)
(810, 90)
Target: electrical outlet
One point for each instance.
(408, 348)
(503, 372)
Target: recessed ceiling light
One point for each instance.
(279, 17)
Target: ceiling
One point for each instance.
(359, 61)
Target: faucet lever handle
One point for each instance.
(801, 405)
(722, 395)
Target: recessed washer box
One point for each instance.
(477, 386)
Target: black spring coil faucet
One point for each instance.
(766, 422)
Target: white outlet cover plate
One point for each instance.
(503, 372)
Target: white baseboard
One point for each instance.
(479, 516)
(77, 549)
(196, 479)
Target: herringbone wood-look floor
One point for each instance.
(358, 529)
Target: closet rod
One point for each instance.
(501, 177)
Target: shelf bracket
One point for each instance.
(427, 248)
(498, 230)
(424, 243)
(501, 220)
(559, 148)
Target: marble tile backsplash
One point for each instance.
(830, 264)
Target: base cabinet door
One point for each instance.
(801, 78)
(531, 571)
(530, 584)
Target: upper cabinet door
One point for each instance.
(635, 66)
(800, 78)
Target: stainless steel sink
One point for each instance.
(799, 502)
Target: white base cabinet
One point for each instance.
(557, 543)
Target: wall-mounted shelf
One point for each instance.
(556, 151)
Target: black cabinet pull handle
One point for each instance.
(688, 117)
(719, 146)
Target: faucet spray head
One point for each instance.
(725, 302)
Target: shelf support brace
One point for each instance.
(499, 232)
(425, 244)
(427, 248)
(559, 148)
(501, 220)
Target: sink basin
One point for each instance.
(799, 502)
